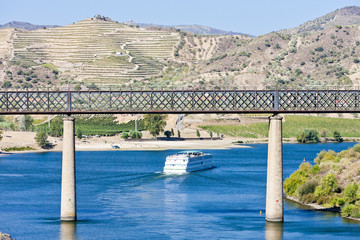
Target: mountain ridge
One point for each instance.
(192, 28)
(25, 25)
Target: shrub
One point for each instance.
(135, 134)
(308, 198)
(41, 138)
(125, 135)
(315, 169)
(14, 149)
(296, 179)
(357, 148)
(167, 133)
(347, 210)
(328, 185)
(6, 84)
(351, 192)
(308, 136)
(307, 187)
(325, 156)
(319, 49)
(337, 136)
(79, 134)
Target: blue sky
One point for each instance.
(252, 17)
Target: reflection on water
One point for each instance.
(175, 201)
(273, 231)
(68, 230)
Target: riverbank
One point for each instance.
(314, 206)
(23, 139)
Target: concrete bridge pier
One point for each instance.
(68, 179)
(274, 185)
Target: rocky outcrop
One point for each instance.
(5, 236)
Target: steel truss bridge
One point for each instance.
(180, 101)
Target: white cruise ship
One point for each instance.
(188, 161)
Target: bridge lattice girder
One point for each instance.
(205, 101)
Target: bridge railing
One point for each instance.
(187, 101)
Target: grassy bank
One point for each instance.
(292, 127)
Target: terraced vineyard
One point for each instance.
(99, 51)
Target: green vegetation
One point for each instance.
(135, 134)
(337, 136)
(95, 125)
(41, 138)
(167, 133)
(332, 182)
(293, 126)
(308, 136)
(51, 67)
(79, 134)
(155, 123)
(125, 135)
(15, 149)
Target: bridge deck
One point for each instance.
(187, 101)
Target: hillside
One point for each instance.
(345, 17)
(99, 52)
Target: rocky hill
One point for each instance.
(99, 52)
(345, 17)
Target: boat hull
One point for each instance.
(178, 164)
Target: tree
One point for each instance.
(211, 134)
(56, 127)
(308, 136)
(125, 135)
(1, 136)
(155, 123)
(338, 137)
(79, 134)
(28, 122)
(41, 138)
(77, 87)
(197, 133)
(135, 134)
(167, 133)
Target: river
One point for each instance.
(124, 195)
